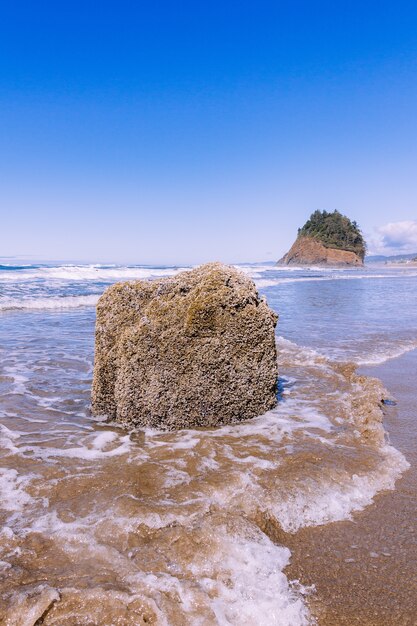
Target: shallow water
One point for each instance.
(105, 526)
(376, 556)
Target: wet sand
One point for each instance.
(106, 527)
(365, 570)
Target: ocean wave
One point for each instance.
(93, 272)
(360, 353)
(336, 500)
(48, 302)
(381, 354)
(368, 353)
(270, 282)
(104, 273)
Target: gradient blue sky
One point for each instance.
(172, 132)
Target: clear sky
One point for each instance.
(173, 132)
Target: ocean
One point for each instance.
(239, 525)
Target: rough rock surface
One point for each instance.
(310, 251)
(195, 349)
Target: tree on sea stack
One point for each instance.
(327, 239)
(195, 349)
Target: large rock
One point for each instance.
(310, 251)
(327, 239)
(195, 349)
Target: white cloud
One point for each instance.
(399, 234)
(394, 238)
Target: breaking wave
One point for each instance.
(48, 302)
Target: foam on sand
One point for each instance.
(104, 445)
(225, 570)
(336, 498)
(13, 496)
(381, 354)
(246, 582)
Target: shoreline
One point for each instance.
(394, 266)
(204, 506)
(363, 570)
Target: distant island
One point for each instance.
(327, 239)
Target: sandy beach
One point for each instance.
(365, 570)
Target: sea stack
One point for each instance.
(330, 239)
(194, 349)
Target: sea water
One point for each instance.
(102, 525)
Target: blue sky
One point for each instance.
(162, 132)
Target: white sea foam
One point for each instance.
(270, 282)
(28, 613)
(102, 440)
(19, 380)
(88, 273)
(315, 504)
(236, 578)
(28, 288)
(259, 268)
(366, 352)
(384, 353)
(253, 588)
(361, 354)
(13, 496)
(48, 302)
(104, 445)
(103, 273)
(8, 439)
(301, 355)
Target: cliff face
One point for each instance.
(310, 251)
